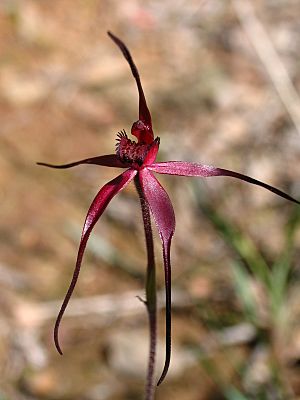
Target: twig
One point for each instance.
(13, 278)
(269, 58)
(106, 251)
(107, 307)
(236, 335)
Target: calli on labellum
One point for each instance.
(137, 158)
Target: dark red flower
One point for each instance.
(138, 160)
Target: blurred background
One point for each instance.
(221, 80)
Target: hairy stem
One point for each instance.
(150, 291)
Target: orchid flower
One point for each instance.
(137, 158)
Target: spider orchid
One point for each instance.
(138, 160)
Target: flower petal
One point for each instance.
(193, 169)
(145, 130)
(164, 217)
(152, 152)
(183, 168)
(159, 202)
(110, 160)
(99, 204)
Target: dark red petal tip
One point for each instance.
(249, 179)
(146, 132)
(167, 267)
(110, 160)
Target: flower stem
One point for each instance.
(150, 291)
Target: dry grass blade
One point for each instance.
(269, 58)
